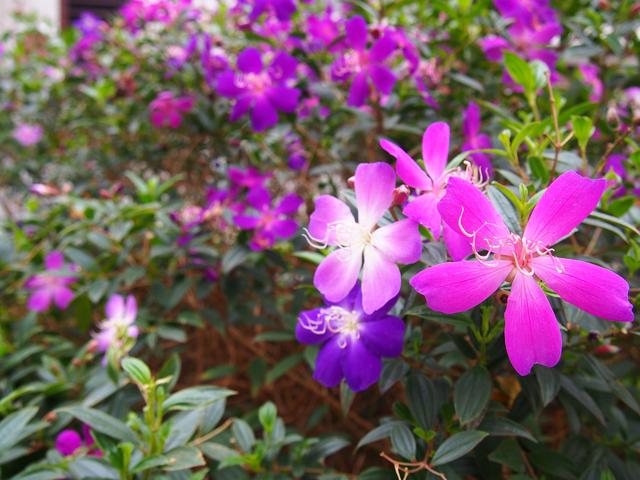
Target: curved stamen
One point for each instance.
(335, 320)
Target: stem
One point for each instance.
(557, 143)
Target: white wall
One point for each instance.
(47, 10)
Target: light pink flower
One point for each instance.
(28, 135)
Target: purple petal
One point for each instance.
(531, 332)
(374, 187)
(338, 273)
(67, 442)
(226, 84)
(284, 228)
(471, 122)
(589, 287)
(493, 47)
(264, 115)
(424, 210)
(259, 197)
(328, 369)
(359, 90)
(40, 300)
(54, 261)
(356, 29)
(62, 296)
(246, 222)
(382, 48)
(283, 66)
(250, 60)
(400, 241)
(455, 287)
(284, 9)
(380, 280)
(564, 205)
(408, 170)
(242, 106)
(329, 211)
(289, 204)
(284, 99)
(305, 335)
(383, 78)
(383, 337)
(115, 307)
(457, 245)
(435, 149)
(361, 367)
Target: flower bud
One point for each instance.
(400, 195)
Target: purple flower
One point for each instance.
(364, 65)
(351, 340)
(267, 222)
(531, 331)
(69, 442)
(431, 183)
(118, 329)
(590, 74)
(616, 163)
(361, 245)
(283, 9)
(166, 110)
(88, 23)
(264, 91)
(51, 286)
(322, 31)
(27, 134)
(474, 140)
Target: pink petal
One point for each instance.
(284, 228)
(329, 210)
(54, 261)
(62, 297)
(567, 201)
(408, 170)
(382, 48)
(338, 273)
(424, 210)
(374, 192)
(435, 149)
(356, 30)
(589, 287)
(458, 286)
(39, 300)
(115, 306)
(531, 332)
(380, 280)
(457, 245)
(465, 204)
(400, 242)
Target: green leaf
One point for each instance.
(234, 258)
(150, 462)
(403, 441)
(457, 446)
(504, 427)
(582, 129)
(378, 433)
(183, 458)
(472, 393)
(283, 366)
(243, 434)
(12, 426)
(325, 447)
(195, 397)
(101, 422)
(520, 71)
(421, 397)
(267, 414)
(581, 396)
(548, 383)
(137, 370)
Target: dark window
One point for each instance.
(72, 9)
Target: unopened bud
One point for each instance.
(613, 118)
(351, 182)
(93, 346)
(50, 417)
(400, 195)
(606, 349)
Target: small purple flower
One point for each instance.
(88, 23)
(68, 442)
(352, 341)
(267, 222)
(118, 329)
(322, 31)
(166, 110)
(51, 286)
(364, 65)
(283, 9)
(27, 134)
(590, 74)
(474, 140)
(263, 91)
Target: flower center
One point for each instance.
(346, 235)
(336, 320)
(256, 82)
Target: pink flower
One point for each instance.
(531, 331)
(166, 110)
(28, 135)
(119, 326)
(431, 184)
(68, 442)
(361, 245)
(51, 286)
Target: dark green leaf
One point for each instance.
(471, 394)
(457, 446)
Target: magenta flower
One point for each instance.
(531, 331)
(118, 329)
(283, 9)
(474, 140)
(431, 184)
(590, 74)
(332, 224)
(28, 135)
(68, 442)
(51, 286)
(166, 110)
(263, 91)
(351, 340)
(362, 65)
(267, 222)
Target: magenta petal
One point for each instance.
(400, 241)
(289, 204)
(115, 306)
(246, 222)
(465, 205)
(424, 210)
(359, 90)
(457, 245)
(383, 78)
(329, 211)
(408, 170)
(226, 84)
(39, 300)
(54, 261)
(471, 122)
(374, 187)
(284, 228)
(242, 106)
(338, 273)
(361, 367)
(435, 149)
(382, 48)
(67, 442)
(589, 287)
(328, 369)
(264, 115)
(380, 280)
(250, 60)
(531, 331)
(566, 203)
(62, 296)
(454, 287)
(284, 99)
(356, 30)
(384, 337)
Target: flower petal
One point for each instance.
(356, 30)
(380, 280)
(400, 241)
(566, 203)
(67, 442)
(242, 106)
(454, 287)
(246, 222)
(359, 90)
(284, 228)
(329, 211)
(360, 366)
(62, 296)
(435, 149)
(384, 337)
(305, 334)
(383, 78)
(457, 245)
(465, 205)
(337, 274)
(115, 306)
(226, 84)
(589, 287)
(382, 48)
(374, 192)
(471, 120)
(54, 261)
(289, 204)
(39, 300)
(250, 60)
(424, 210)
(284, 99)
(328, 369)
(406, 167)
(264, 115)
(531, 331)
